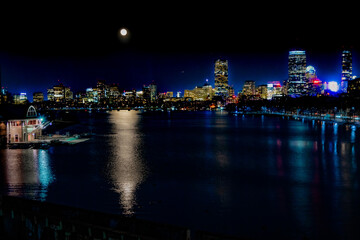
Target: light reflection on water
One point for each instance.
(205, 170)
(126, 166)
(27, 172)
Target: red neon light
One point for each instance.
(316, 81)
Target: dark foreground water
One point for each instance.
(258, 177)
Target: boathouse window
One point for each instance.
(17, 123)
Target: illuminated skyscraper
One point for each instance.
(221, 78)
(150, 92)
(249, 88)
(261, 91)
(20, 98)
(346, 73)
(38, 97)
(296, 84)
(200, 93)
(153, 91)
(274, 89)
(310, 72)
(59, 93)
(314, 84)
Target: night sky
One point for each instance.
(173, 44)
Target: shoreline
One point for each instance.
(54, 138)
(334, 119)
(45, 142)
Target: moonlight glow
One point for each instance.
(123, 32)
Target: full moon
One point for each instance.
(123, 32)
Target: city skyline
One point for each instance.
(173, 46)
(262, 143)
(23, 74)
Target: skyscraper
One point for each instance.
(221, 78)
(38, 97)
(59, 93)
(153, 91)
(249, 88)
(314, 84)
(296, 83)
(346, 73)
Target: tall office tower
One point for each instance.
(103, 89)
(221, 78)
(153, 91)
(296, 83)
(346, 73)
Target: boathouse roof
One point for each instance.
(10, 112)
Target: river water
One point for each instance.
(248, 176)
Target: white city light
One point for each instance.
(333, 86)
